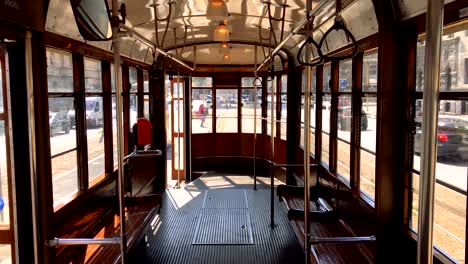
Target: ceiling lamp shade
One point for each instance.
(221, 33)
(216, 10)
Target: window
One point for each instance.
(283, 95)
(345, 119)
(250, 100)
(146, 104)
(452, 149)
(226, 103)
(312, 108)
(271, 98)
(202, 111)
(368, 124)
(326, 107)
(133, 96)
(62, 125)
(94, 118)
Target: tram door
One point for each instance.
(177, 127)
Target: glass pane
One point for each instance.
(202, 112)
(248, 81)
(226, 110)
(301, 141)
(4, 210)
(95, 137)
(270, 83)
(369, 72)
(369, 123)
(346, 70)
(326, 104)
(59, 71)
(133, 109)
(343, 156)
(113, 77)
(345, 117)
(178, 153)
(326, 77)
(93, 75)
(284, 83)
(5, 254)
(64, 177)
(325, 149)
(202, 82)
(284, 115)
(146, 112)
(145, 82)
(61, 125)
(415, 201)
(247, 111)
(269, 115)
(312, 141)
(133, 79)
(451, 169)
(178, 121)
(453, 61)
(114, 130)
(314, 80)
(449, 219)
(367, 179)
(313, 105)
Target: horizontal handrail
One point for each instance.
(82, 241)
(335, 240)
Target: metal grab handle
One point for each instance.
(82, 241)
(315, 62)
(340, 25)
(340, 240)
(144, 153)
(257, 82)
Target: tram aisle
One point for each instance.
(219, 219)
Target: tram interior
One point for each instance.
(229, 131)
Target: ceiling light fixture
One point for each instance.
(224, 48)
(221, 33)
(226, 58)
(217, 10)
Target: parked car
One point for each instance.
(94, 113)
(345, 118)
(452, 139)
(58, 122)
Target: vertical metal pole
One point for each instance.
(120, 138)
(272, 151)
(32, 140)
(255, 125)
(434, 23)
(307, 147)
(178, 130)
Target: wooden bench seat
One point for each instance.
(333, 241)
(139, 213)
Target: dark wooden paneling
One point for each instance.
(335, 76)
(107, 106)
(126, 109)
(80, 115)
(356, 110)
(391, 134)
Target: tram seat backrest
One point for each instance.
(142, 133)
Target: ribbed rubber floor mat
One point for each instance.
(223, 227)
(225, 199)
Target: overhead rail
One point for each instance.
(149, 43)
(295, 31)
